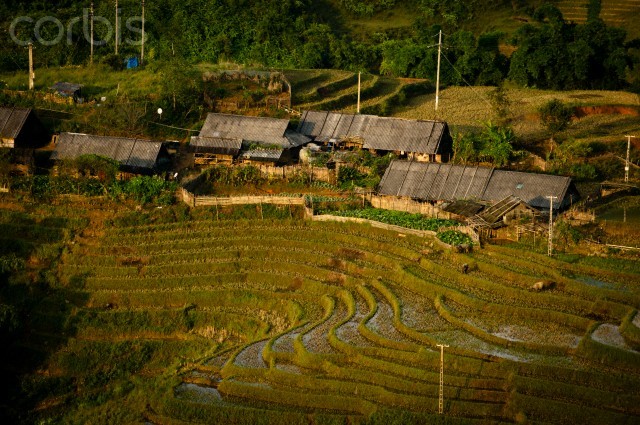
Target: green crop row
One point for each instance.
(399, 218)
(227, 413)
(558, 412)
(556, 265)
(577, 394)
(547, 301)
(629, 331)
(567, 284)
(607, 355)
(353, 405)
(400, 98)
(346, 239)
(486, 336)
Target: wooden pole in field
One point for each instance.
(91, 41)
(32, 74)
(359, 85)
(550, 246)
(117, 28)
(626, 165)
(438, 72)
(441, 392)
(142, 47)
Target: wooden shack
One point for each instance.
(418, 140)
(136, 156)
(214, 150)
(263, 140)
(20, 128)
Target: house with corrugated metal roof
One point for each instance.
(250, 139)
(136, 156)
(213, 150)
(419, 140)
(20, 128)
(439, 183)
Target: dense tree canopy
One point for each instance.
(549, 52)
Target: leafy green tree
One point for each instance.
(555, 116)
(497, 143)
(554, 54)
(500, 103)
(464, 149)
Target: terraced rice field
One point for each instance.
(618, 13)
(338, 91)
(300, 322)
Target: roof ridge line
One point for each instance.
(486, 183)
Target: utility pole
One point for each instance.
(91, 41)
(117, 28)
(142, 48)
(626, 165)
(441, 393)
(32, 74)
(359, 80)
(550, 247)
(438, 73)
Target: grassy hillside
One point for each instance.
(174, 317)
(466, 108)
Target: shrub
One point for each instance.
(454, 237)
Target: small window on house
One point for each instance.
(519, 185)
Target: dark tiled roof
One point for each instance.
(136, 153)
(531, 188)
(11, 121)
(380, 133)
(444, 182)
(215, 145)
(269, 131)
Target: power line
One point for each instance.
(467, 83)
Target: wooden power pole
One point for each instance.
(117, 28)
(550, 246)
(32, 74)
(441, 392)
(626, 165)
(142, 47)
(359, 80)
(91, 41)
(438, 72)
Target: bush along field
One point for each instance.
(176, 316)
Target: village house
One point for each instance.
(227, 138)
(418, 140)
(487, 197)
(136, 156)
(20, 128)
